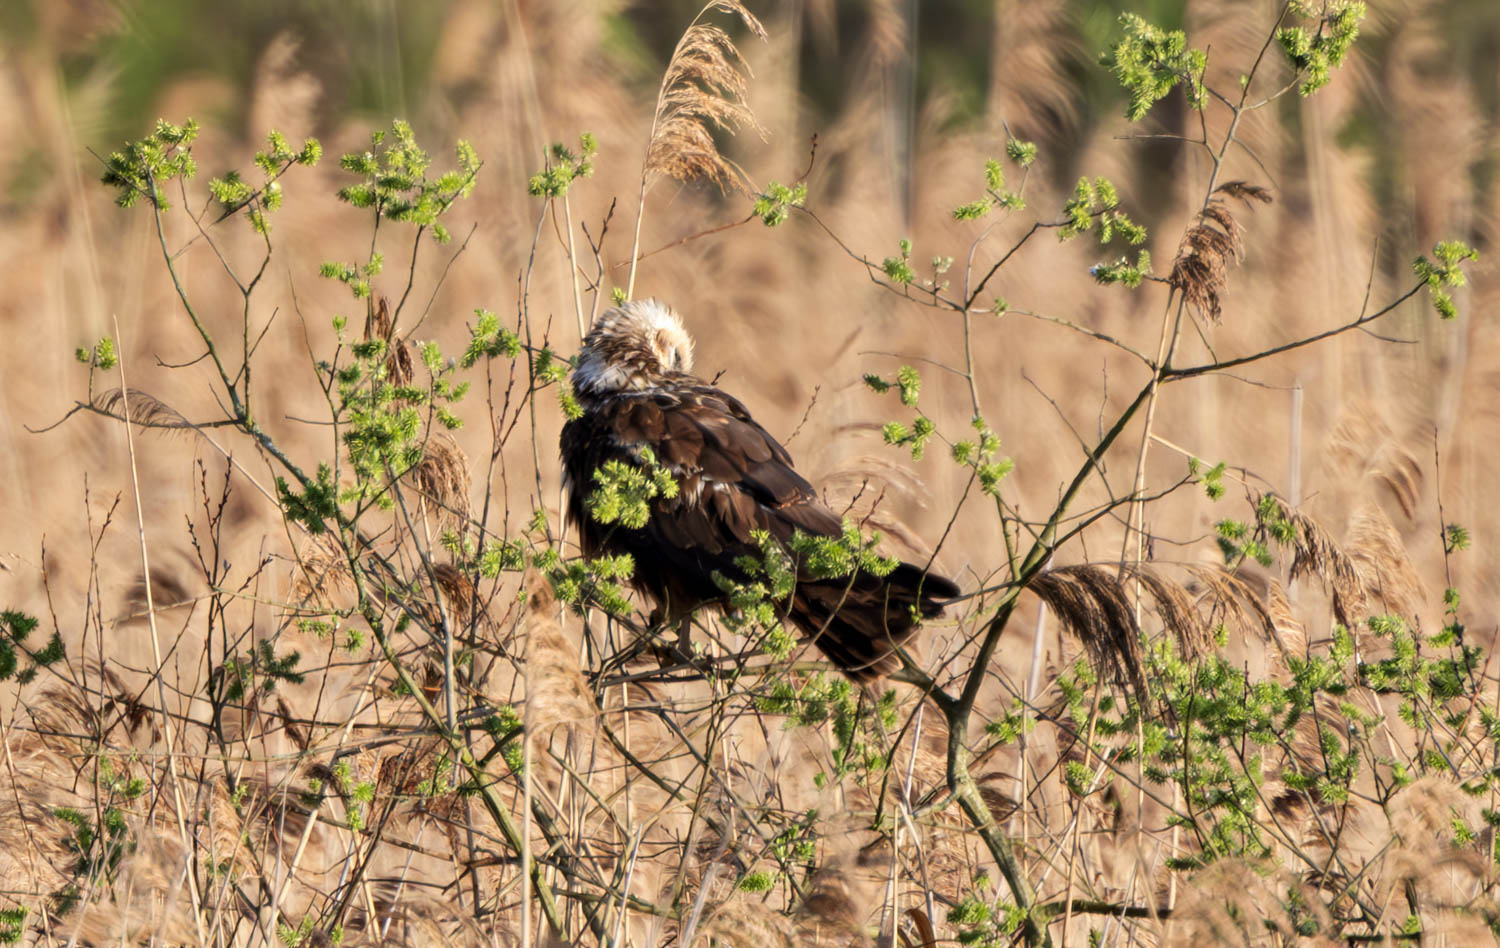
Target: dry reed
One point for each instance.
(779, 289)
(1209, 246)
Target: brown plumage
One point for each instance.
(633, 382)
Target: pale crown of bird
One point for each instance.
(632, 347)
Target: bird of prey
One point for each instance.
(735, 484)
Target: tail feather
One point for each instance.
(859, 625)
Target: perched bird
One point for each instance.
(634, 385)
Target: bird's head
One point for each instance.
(632, 347)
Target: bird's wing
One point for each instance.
(733, 477)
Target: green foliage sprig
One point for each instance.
(1315, 53)
(767, 579)
(624, 491)
(1095, 206)
(980, 453)
(356, 276)
(548, 369)
(1021, 152)
(774, 206)
(258, 672)
(143, 166)
(101, 356)
(1239, 540)
(235, 194)
(1150, 62)
(1122, 271)
(1211, 478)
(899, 268)
(563, 167)
(100, 844)
(1008, 728)
(385, 417)
(770, 578)
(505, 727)
(581, 583)
(356, 794)
(908, 385)
(384, 432)
(394, 181)
(315, 505)
(295, 936)
(1446, 272)
(819, 699)
(12, 924)
(759, 881)
(489, 340)
(1455, 537)
(980, 922)
(995, 195)
(15, 628)
(820, 557)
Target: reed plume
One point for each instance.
(702, 89)
(1215, 240)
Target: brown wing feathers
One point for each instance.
(733, 479)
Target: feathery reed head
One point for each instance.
(145, 409)
(1201, 269)
(443, 477)
(400, 368)
(703, 88)
(557, 695)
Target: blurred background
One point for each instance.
(907, 98)
(1369, 432)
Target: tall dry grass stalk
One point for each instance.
(702, 90)
(158, 671)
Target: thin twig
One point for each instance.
(168, 729)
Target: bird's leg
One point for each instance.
(679, 653)
(656, 626)
(662, 616)
(671, 654)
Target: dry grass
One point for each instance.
(443, 480)
(777, 312)
(703, 90)
(1214, 242)
(145, 409)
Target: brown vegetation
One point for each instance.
(652, 797)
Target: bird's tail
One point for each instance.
(859, 624)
